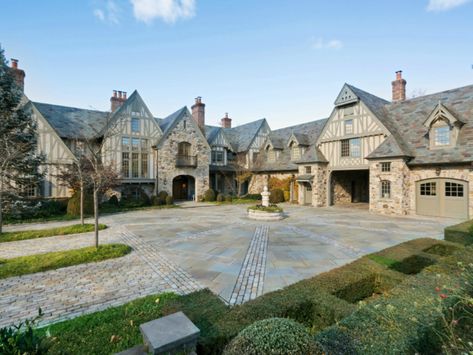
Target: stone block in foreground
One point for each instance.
(171, 334)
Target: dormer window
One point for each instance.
(271, 156)
(444, 128)
(295, 151)
(441, 135)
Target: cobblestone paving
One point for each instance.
(68, 292)
(177, 279)
(250, 281)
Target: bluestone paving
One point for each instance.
(189, 248)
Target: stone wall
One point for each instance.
(258, 181)
(403, 185)
(319, 184)
(398, 202)
(341, 187)
(167, 154)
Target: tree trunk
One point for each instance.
(82, 203)
(96, 217)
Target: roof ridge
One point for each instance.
(70, 107)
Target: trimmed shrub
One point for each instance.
(113, 201)
(162, 195)
(169, 200)
(411, 319)
(73, 206)
(220, 198)
(135, 196)
(461, 233)
(209, 195)
(255, 197)
(155, 201)
(228, 198)
(287, 195)
(273, 336)
(277, 196)
(413, 264)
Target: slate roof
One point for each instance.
(166, 123)
(241, 137)
(72, 122)
(410, 136)
(308, 132)
(312, 155)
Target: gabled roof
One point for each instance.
(242, 136)
(280, 137)
(73, 122)
(390, 148)
(312, 155)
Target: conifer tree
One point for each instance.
(19, 158)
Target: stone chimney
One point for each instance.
(117, 99)
(18, 74)
(226, 121)
(198, 113)
(399, 87)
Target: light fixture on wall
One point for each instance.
(438, 171)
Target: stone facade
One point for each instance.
(319, 184)
(167, 156)
(398, 202)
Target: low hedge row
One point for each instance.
(317, 303)
(407, 320)
(461, 233)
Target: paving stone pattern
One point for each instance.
(72, 291)
(250, 281)
(176, 278)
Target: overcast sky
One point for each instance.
(282, 60)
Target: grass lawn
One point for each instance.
(43, 233)
(108, 331)
(55, 260)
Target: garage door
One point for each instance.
(442, 198)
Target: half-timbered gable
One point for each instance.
(130, 134)
(353, 130)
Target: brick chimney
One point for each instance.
(117, 99)
(226, 121)
(18, 74)
(198, 113)
(399, 87)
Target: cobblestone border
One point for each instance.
(250, 281)
(174, 278)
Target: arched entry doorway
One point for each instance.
(183, 187)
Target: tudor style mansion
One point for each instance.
(404, 156)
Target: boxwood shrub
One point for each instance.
(409, 319)
(460, 233)
(273, 336)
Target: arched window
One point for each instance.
(184, 149)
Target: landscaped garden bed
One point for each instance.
(364, 307)
(50, 261)
(50, 232)
(265, 213)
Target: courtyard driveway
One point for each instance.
(208, 246)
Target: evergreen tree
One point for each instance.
(19, 158)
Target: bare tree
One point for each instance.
(242, 169)
(77, 176)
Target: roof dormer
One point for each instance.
(444, 128)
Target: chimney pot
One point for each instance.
(399, 87)
(14, 63)
(198, 113)
(18, 73)
(114, 93)
(124, 95)
(226, 122)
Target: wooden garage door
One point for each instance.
(442, 198)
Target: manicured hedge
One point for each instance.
(461, 233)
(408, 319)
(273, 336)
